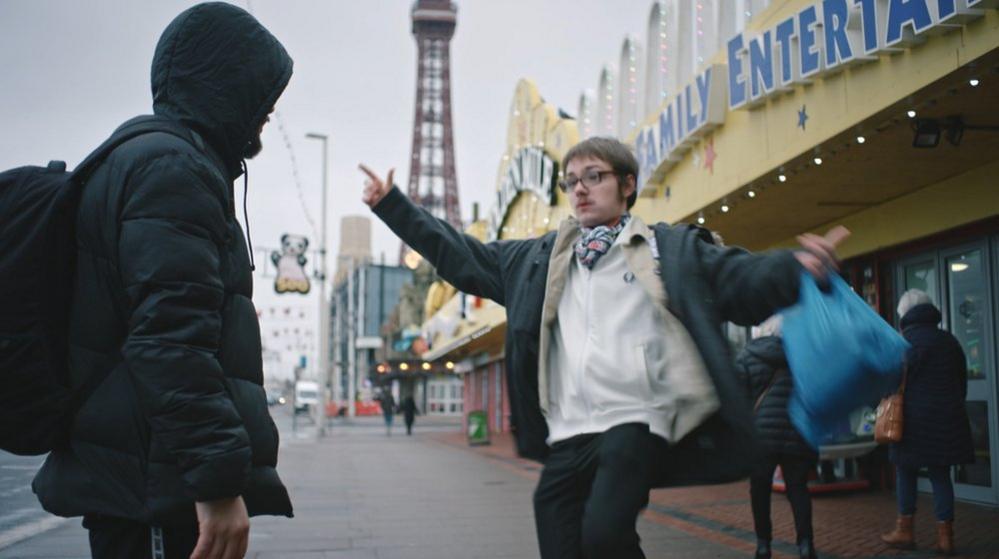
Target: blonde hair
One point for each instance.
(912, 298)
(769, 327)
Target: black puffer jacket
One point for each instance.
(935, 429)
(162, 310)
(761, 362)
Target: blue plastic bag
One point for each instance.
(842, 355)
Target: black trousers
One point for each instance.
(795, 471)
(591, 491)
(118, 538)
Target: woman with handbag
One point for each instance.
(936, 433)
(764, 369)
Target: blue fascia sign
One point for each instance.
(818, 40)
(696, 110)
(830, 35)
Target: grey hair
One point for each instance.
(912, 298)
(769, 327)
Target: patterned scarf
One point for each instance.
(596, 241)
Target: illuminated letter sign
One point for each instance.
(699, 108)
(829, 35)
(530, 170)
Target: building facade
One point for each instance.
(778, 119)
(360, 306)
(355, 245)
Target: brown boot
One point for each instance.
(945, 537)
(901, 537)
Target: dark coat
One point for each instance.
(706, 284)
(387, 402)
(162, 311)
(409, 409)
(762, 364)
(935, 428)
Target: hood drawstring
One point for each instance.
(246, 215)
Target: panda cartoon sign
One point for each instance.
(290, 263)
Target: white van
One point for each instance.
(306, 395)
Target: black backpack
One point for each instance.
(38, 208)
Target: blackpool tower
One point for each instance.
(432, 180)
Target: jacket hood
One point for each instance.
(921, 314)
(768, 349)
(219, 71)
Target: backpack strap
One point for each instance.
(133, 129)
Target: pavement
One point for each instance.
(360, 494)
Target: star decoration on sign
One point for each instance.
(802, 117)
(710, 155)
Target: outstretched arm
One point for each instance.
(750, 287)
(463, 261)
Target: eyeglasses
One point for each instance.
(590, 178)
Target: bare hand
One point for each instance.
(819, 254)
(223, 529)
(374, 188)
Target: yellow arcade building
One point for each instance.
(880, 115)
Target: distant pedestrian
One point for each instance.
(764, 368)
(387, 403)
(409, 413)
(620, 378)
(174, 445)
(936, 433)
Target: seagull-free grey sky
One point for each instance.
(75, 69)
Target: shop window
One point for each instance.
(966, 296)
(923, 276)
(737, 336)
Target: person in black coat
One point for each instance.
(409, 413)
(652, 399)
(763, 367)
(387, 402)
(936, 433)
(175, 443)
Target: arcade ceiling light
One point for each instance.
(927, 132)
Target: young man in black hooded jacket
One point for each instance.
(620, 380)
(174, 449)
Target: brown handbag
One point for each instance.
(888, 422)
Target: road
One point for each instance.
(22, 518)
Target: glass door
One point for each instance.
(969, 318)
(959, 280)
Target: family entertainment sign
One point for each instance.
(828, 36)
(818, 40)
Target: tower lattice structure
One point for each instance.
(432, 180)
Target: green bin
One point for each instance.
(478, 427)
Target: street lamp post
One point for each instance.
(324, 319)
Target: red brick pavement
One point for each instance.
(846, 525)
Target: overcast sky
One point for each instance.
(73, 70)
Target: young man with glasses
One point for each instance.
(619, 377)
